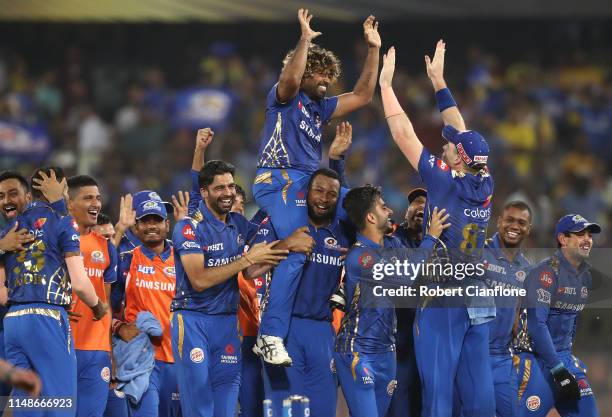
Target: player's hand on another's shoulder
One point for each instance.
(127, 331)
(370, 32)
(300, 241)
(304, 19)
(264, 253)
(342, 142)
(388, 68)
(438, 222)
(204, 138)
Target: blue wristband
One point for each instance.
(444, 99)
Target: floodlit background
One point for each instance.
(116, 89)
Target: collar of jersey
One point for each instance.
(217, 224)
(367, 242)
(166, 253)
(38, 204)
(304, 98)
(132, 238)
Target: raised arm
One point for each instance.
(293, 71)
(447, 106)
(364, 88)
(399, 123)
(338, 148)
(127, 218)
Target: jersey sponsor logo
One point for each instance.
(546, 278)
(487, 202)
(567, 290)
(169, 271)
(97, 256)
(191, 245)
(463, 154)
(229, 357)
(94, 272)
(263, 232)
(196, 355)
(533, 403)
(584, 292)
(309, 132)
(442, 165)
(221, 261)
(155, 285)
(300, 201)
(259, 282)
(496, 268)
(520, 276)
(391, 387)
(506, 285)
(145, 269)
(75, 225)
(303, 109)
(543, 296)
(367, 379)
(39, 223)
(188, 232)
(478, 213)
(481, 159)
(432, 161)
(76, 238)
(105, 374)
(562, 305)
(366, 260)
(320, 258)
(214, 247)
(585, 388)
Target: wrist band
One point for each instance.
(445, 99)
(116, 324)
(390, 103)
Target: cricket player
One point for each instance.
(460, 183)
(406, 400)
(147, 275)
(290, 152)
(39, 292)
(365, 346)
(92, 338)
(105, 226)
(208, 250)
(557, 290)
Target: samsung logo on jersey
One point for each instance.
(478, 213)
(155, 285)
(320, 258)
(149, 270)
(221, 261)
(311, 134)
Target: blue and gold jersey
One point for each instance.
(220, 243)
(293, 131)
(38, 274)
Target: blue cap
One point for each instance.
(151, 207)
(471, 145)
(149, 195)
(573, 223)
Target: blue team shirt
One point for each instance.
(221, 243)
(321, 273)
(39, 274)
(556, 294)
(467, 200)
(293, 131)
(501, 272)
(129, 241)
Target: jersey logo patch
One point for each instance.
(97, 256)
(196, 355)
(533, 403)
(442, 165)
(366, 260)
(520, 276)
(546, 278)
(105, 374)
(391, 387)
(38, 224)
(584, 292)
(188, 232)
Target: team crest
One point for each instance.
(584, 292)
(366, 260)
(105, 374)
(151, 205)
(240, 239)
(169, 271)
(97, 256)
(520, 276)
(391, 387)
(154, 196)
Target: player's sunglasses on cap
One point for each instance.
(574, 223)
(416, 192)
(471, 145)
(149, 195)
(148, 207)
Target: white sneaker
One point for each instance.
(272, 350)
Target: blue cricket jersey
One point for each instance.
(556, 294)
(39, 274)
(221, 243)
(501, 272)
(369, 325)
(292, 131)
(321, 273)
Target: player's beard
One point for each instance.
(320, 219)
